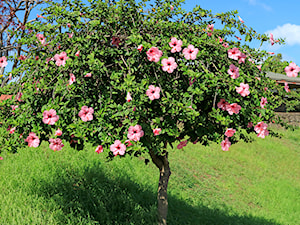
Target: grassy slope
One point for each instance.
(255, 184)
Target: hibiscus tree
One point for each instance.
(153, 83)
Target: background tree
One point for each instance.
(14, 15)
(133, 78)
(275, 64)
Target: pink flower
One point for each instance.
(50, 117)
(156, 131)
(210, 27)
(261, 129)
(128, 97)
(153, 92)
(234, 53)
(77, 53)
(128, 143)
(69, 25)
(60, 59)
(230, 132)
(135, 133)
(263, 102)
(243, 89)
(271, 39)
(175, 45)
(222, 104)
(56, 144)
(140, 48)
(12, 130)
(39, 16)
(33, 140)
(3, 62)
(292, 70)
(154, 54)
(242, 58)
(190, 52)
(233, 71)
(86, 113)
(171, 7)
(286, 87)
(233, 108)
(225, 45)
(58, 132)
(22, 57)
(41, 38)
(99, 149)
(238, 38)
(225, 144)
(118, 148)
(1, 158)
(169, 64)
(14, 107)
(72, 78)
(70, 34)
(271, 53)
(88, 75)
(182, 144)
(220, 39)
(49, 59)
(259, 67)
(242, 21)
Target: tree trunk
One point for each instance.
(162, 163)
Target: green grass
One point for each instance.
(252, 184)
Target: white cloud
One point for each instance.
(261, 4)
(291, 33)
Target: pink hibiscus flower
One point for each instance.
(292, 70)
(250, 124)
(242, 21)
(135, 133)
(69, 25)
(1, 158)
(41, 38)
(128, 143)
(70, 34)
(88, 75)
(233, 108)
(14, 107)
(225, 45)
(33, 140)
(225, 144)
(58, 132)
(241, 58)
(12, 130)
(182, 144)
(261, 129)
(154, 54)
(234, 53)
(190, 52)
(3, 62)
(118, 148)
(140, 48)
(263, 102)
(233, 71)
(19, 96)
(56, 144)
(22, 57)
(175, 45)
(230, 132)
(72, 78)
(99, 149)
(86, 113)
(156, 131)
(259, 67)
(77, 53)
(286, 87)
(271, 39)
(243, 89)
(128, 97)
(50, 117)
(220, 40)
(171, 7)
(153, 92)
(210, 27)
(61, 59)
(238, 38)
(222, 104)
(169, 64)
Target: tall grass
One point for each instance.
(255, 184)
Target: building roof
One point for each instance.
(5, 97)
(281, 78)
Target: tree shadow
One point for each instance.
(95, 198)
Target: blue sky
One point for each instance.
(282, 18)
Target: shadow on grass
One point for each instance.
(93, 198)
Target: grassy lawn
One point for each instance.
(253, 184)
